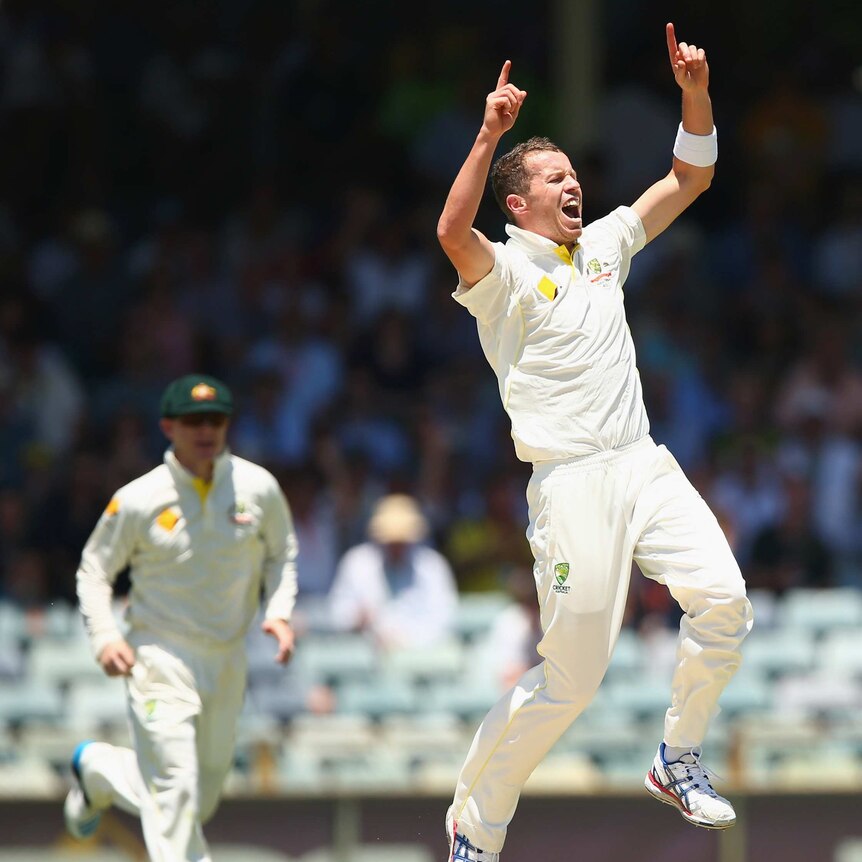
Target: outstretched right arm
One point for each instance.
(469, 250)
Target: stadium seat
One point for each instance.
(476, 613)
(465, 698)
(30, 700)
(61, 661)
(11, 657)
(747, 692)
(333, 658)
(382, 696)
(51, 744)
(564, 773)
(822, 694)
(13, 622)
(779, 651)
(443, 661)
(438, 738)
(765, 606)
(277, 702)
(645, 697)
(331, 733)
(821, 611)
(628, 654)
(841, 651)
(90, 705)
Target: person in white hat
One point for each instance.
(400, 590)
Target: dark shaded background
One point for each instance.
(251, 189)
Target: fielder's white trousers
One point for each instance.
(183, 708)
(596, 514)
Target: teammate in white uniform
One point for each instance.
(205, 534)
(549, 307)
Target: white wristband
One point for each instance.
(698, 150)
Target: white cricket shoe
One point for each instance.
(461, 849)
(684, 783)
(82, 818)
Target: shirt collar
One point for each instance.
(181, 474)
(534, 244)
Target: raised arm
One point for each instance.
(470, 252)
(693, 161)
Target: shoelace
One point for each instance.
(463, 846)
(696, 775)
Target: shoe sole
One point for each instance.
(663, 795)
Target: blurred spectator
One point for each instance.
(399, 590)
(823, 375)
(788, 554)
(748, 489)
(314, 521)
(229, 193)
(838, 253)
(486, 547)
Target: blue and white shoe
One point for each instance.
(82, 818)
(461, 849)
(685, 784)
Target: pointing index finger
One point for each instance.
(504, 74)
(672, 47)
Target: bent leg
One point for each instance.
(111, 776)
(684, 547)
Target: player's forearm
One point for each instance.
(697, 111)
(281, 589)
(95, 595)
(454, 229)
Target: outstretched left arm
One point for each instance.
(662, 202)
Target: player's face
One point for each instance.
(197, 439)
(553, 205)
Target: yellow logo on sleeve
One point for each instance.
(113, 507)
(167, 520)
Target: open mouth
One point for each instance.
(572, 209)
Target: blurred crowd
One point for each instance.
(251, 190)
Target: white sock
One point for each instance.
(671, 754)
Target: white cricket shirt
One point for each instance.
(199, 562)
(553, 328)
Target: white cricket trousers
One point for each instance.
(596, 514)
(183, 709)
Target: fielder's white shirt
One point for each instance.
(553, 328)
(198, 563)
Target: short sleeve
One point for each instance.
(492, 297)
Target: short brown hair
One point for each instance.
(509, 174)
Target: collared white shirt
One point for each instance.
(553, 328)
(199, 560)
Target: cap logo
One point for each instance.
(203, 392)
